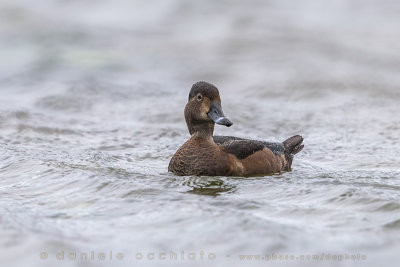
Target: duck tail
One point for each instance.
(293, 145)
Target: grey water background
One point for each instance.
(91, 110)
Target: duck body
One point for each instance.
(205, 154)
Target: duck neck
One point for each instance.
(203, 130)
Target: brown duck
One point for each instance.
(205, 154)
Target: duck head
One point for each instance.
(204, 109)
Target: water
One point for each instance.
(91, 111)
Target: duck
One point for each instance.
(204, 154)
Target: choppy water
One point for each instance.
(91, 110)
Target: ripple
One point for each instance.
(389, 207)
(393, 225)
(45, 130)
(64, 103)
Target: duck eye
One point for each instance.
(199, 97)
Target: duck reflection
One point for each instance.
(211, 186)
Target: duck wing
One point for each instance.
(242, 148)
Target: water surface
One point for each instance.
(91, 111)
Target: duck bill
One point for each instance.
(217, 115)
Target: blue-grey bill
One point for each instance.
(217, 115)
